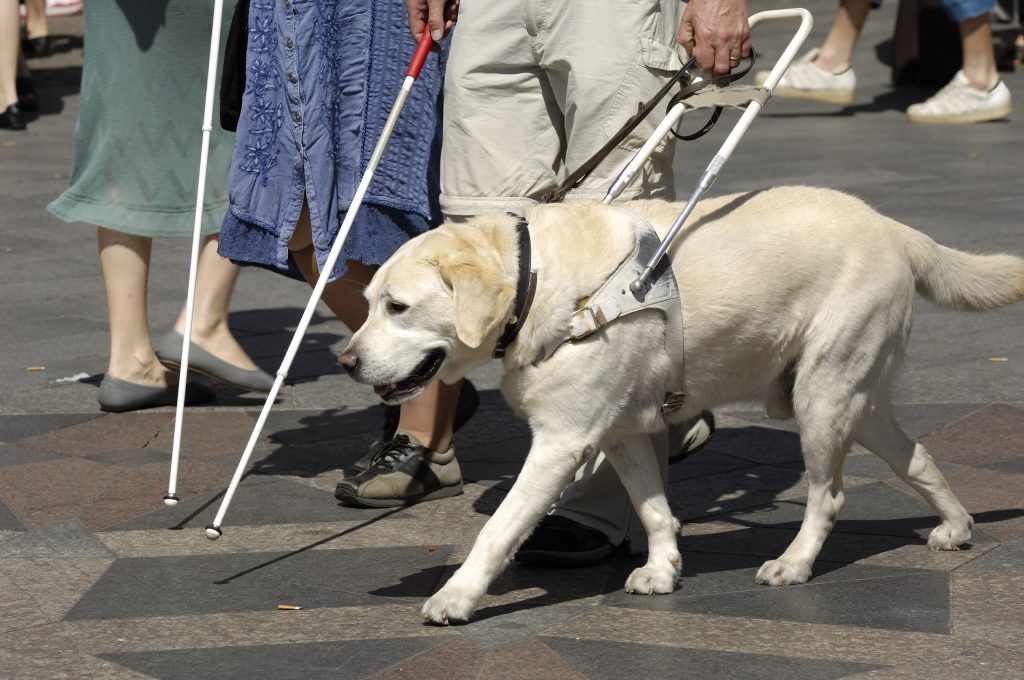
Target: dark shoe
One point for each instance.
(403, 472)
(28, 99)
(687, 438)
(118, 396)
(12, 118)
(202, 362)
(469, 402)
(34, 48)
(560, 542)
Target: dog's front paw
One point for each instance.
(782, 573)
(449, 605)
(949, 536)
(649, 581)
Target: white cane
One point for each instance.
(211, 80)
(213, 531)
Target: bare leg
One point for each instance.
(35, 20)
(979, 55)
(10, 48)
(429, 416)
(837, 50)
(215, 281)
(124, 262)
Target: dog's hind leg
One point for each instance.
(634, 460)
(550, 465)
(827, 409)
(881, 434)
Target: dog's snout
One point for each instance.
(349, 361)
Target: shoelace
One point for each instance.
(397, 451)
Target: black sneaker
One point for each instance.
(403, 472)
(12, 118)
(560, 542)
(469, 402)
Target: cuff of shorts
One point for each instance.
(461, 208)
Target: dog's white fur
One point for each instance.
(798, 295)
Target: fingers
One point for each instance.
(437, 16)
(716, 37)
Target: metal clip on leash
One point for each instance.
(752, 98)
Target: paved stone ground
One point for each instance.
(99, 580)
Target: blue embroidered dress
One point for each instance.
(322, 78)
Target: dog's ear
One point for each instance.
(482, 297)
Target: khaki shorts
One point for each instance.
(533, 88)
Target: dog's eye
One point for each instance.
(396, 307)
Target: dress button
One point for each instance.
(289, 43)
(297, 117)
(292, 78)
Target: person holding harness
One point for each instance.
(532, 89)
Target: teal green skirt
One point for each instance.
(139, 131)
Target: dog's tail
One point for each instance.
(959, 280)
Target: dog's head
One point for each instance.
(437, 308)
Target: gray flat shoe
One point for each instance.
(118, 396)
(202, 362)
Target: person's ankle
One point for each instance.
(439, 441)
(831, 63)
(140, 370)
(982, 79)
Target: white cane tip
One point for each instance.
(213, 533)
(170, 500)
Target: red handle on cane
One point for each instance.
(420, 55)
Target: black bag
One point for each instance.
(232, 76)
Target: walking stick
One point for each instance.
(213, 531)
(179, 412)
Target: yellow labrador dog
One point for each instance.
(797, 295)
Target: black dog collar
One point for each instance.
(525, 288)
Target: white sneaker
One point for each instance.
(63, 8)
(958, 102)
(804, 80)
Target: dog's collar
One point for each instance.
(525, 288)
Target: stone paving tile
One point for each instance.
(100, 495)
(259, 500)
(990, 435)
(13, 428)
(855, 595)
(977, 662)
(8, 521)
(755, 635)
(175, 586)
(460, 658)
(607, 660)
(988, 606)
(210, 631)
(350, 658)
(70, 538)
(57, 665)
(1009, 556)
(112, 432)
(11, 455)
(41, 590)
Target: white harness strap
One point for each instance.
(614, 299)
